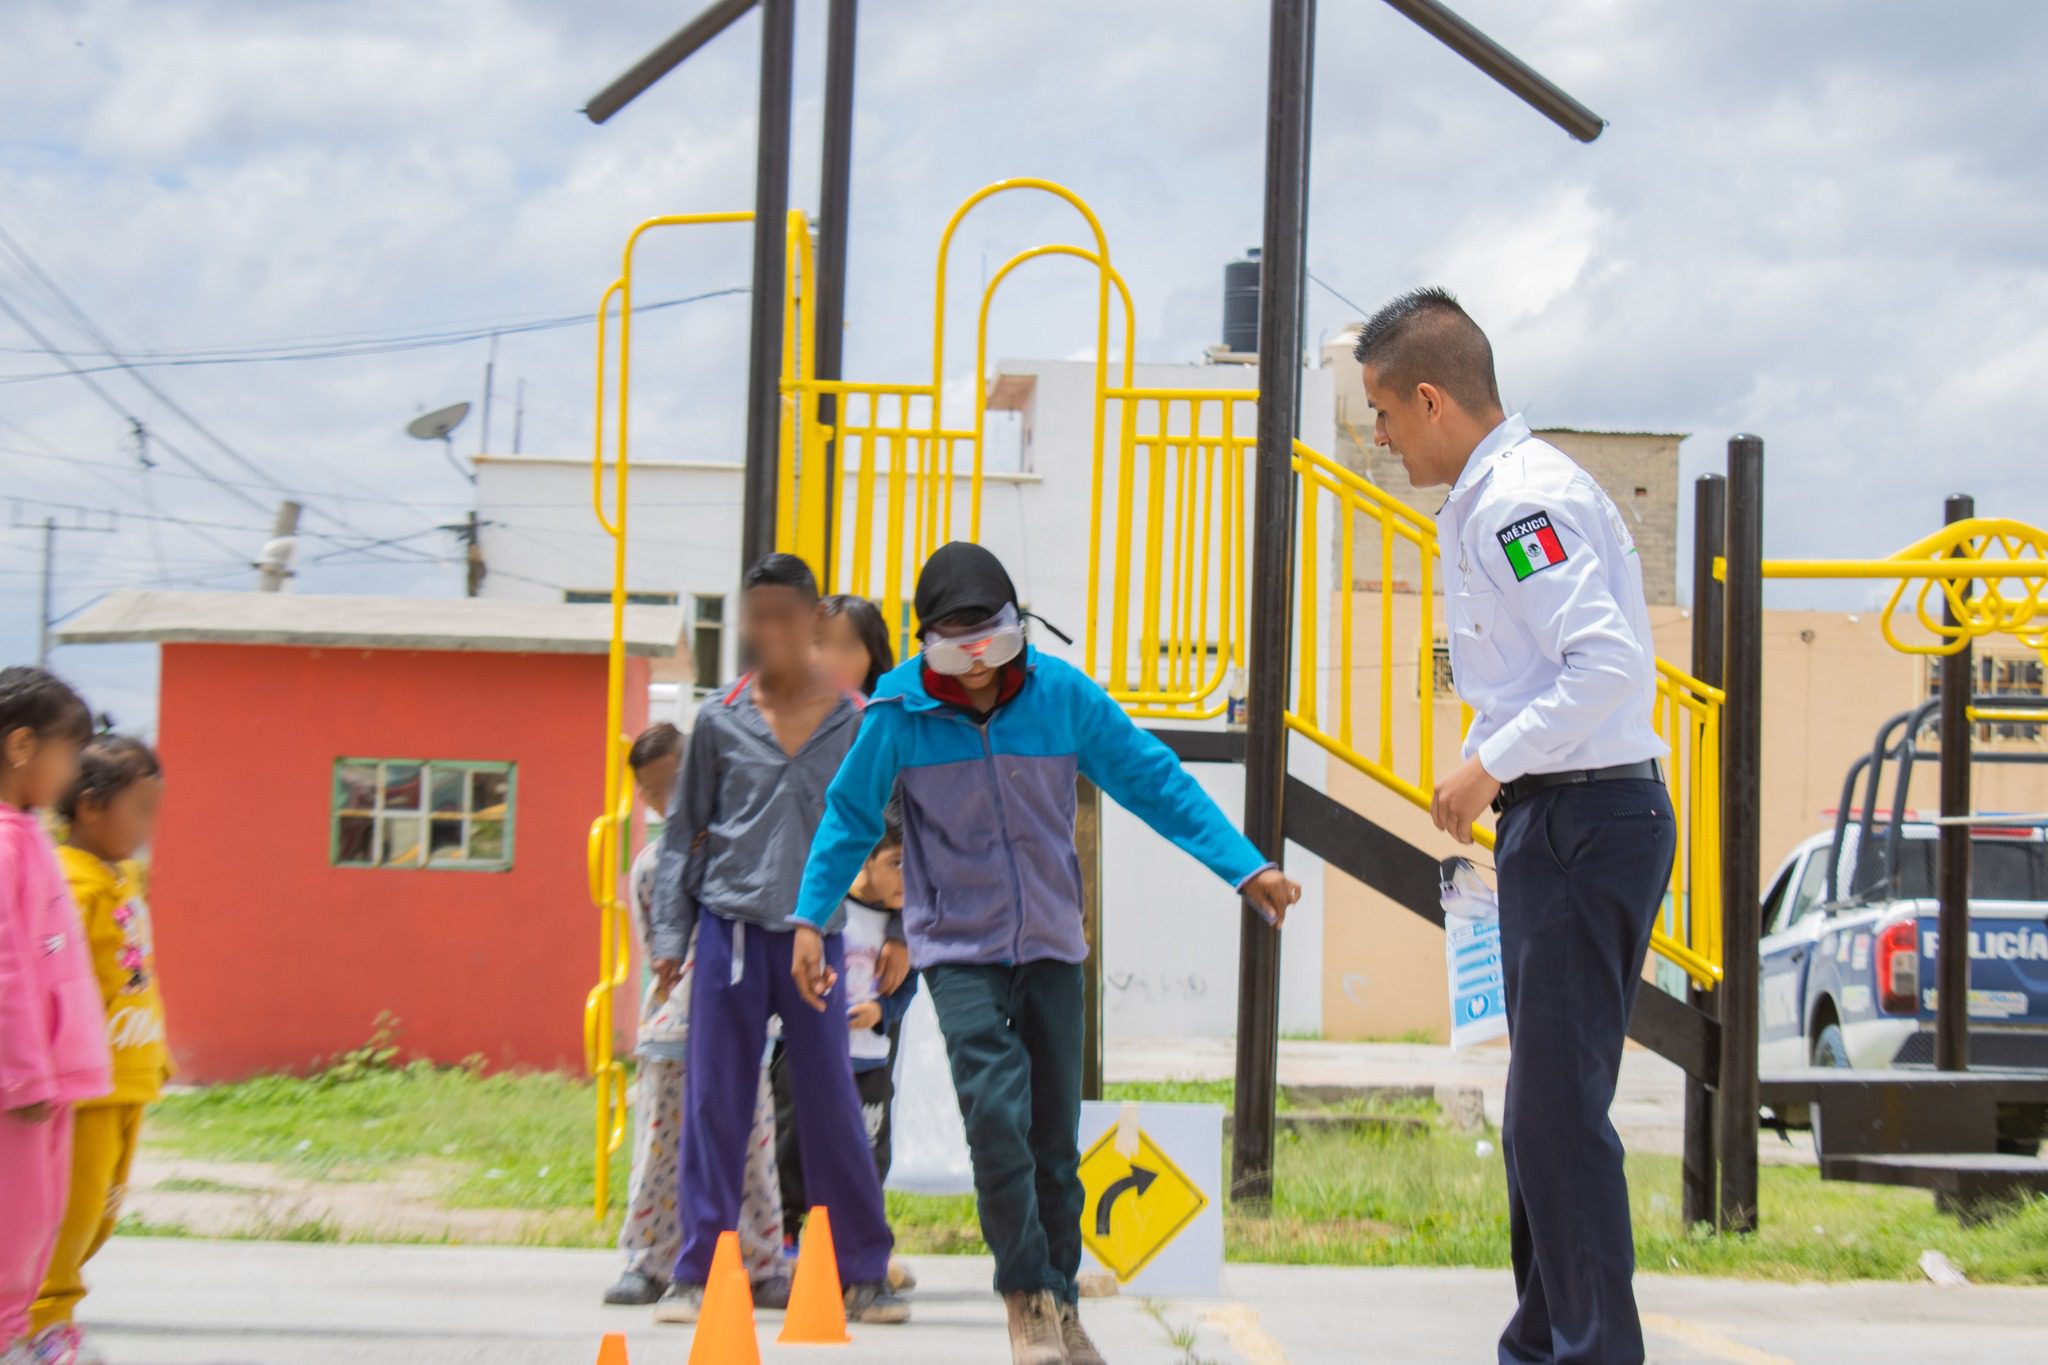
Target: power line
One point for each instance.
(263, 355)
(27, 261)
(99, 390)
(82, 463)
(1331, 289)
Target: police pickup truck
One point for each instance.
(1849, 979)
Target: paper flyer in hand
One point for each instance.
(1472, 962)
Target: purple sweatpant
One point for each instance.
(728, 1032)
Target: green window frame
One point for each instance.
(409, 814)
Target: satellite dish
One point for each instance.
(436, 425)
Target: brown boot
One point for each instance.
(1080, 1350)
(1034, 1328)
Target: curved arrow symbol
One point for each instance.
(1139, 1180)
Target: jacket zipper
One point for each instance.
(995, 787)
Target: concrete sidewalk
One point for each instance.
(168, 1302)
(1649, 1101)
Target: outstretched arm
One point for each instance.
(1145, 778)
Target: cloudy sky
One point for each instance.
(1820, 221)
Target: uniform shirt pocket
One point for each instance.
(1475, 646)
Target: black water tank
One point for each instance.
(1241, 304)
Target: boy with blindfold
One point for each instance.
(985, 736)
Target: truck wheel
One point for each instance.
(1830, 1048)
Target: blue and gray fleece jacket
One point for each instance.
(990, 874)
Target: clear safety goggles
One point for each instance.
(994, 643)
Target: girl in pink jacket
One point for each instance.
(53, 1031)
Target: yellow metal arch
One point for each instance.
(608, 832)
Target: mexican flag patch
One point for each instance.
(1531, 546)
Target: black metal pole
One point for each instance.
(835, 197)
(1709, 530)
(1088, 846)
(771, 210)
(674, 50)
(1952, 847)
(1272, 591)
(1742, 660)
(1526, 83)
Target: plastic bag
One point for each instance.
(1472, 960)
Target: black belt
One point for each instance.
(1522, 788)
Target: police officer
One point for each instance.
(1551, 647)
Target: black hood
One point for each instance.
(963, 580)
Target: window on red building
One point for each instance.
(409, 813)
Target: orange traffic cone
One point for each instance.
(817, 1304)
(725, 1327)
(725, 1256)
(613, 1351)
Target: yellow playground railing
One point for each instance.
(894, 474)
(609, 831)
(1991, 573)
(1410, 668)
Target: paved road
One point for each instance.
(166, 1302)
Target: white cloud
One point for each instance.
(1820, 222)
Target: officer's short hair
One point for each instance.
(1424, 337)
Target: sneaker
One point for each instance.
(902, 1278)
(63, 1344)
(771, 1295)
(1034, 1328)
(680, 1304)
(871, 1301)
(635, 1287)
(1073, 1336)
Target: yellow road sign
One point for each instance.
(1135, 1205)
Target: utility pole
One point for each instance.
(274, 564)
(470, 532)
(43, 614)
(46, 589)
(474, 576)
(483, 439)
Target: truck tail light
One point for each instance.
(1898, 968)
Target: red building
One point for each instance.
(376, 806)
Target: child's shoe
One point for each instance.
(871, 1301)
(1073, 1336)
(771, 1295)
(63, 1344)
(1034, 1328)
(681, 1304)
(901, 1278)
(634, 1287)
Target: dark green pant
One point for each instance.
(1013, 1036)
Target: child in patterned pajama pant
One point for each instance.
(652, 1234)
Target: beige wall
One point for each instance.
(1829, 680)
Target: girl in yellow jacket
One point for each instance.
(111, 812)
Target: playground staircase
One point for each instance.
(1933, 1130)
(872, 476)
(1385, 862)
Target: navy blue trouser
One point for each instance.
(1013, 1038)
(728, 1032)
(1582, 872)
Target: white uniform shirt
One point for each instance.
(1549, 632)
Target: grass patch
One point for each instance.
(1423, 1196)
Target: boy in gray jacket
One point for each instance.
(752, 786)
